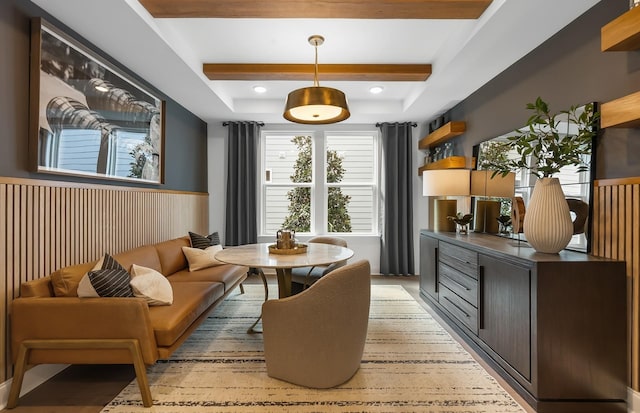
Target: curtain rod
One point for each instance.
(227, 123)
(413, 124)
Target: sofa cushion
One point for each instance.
(111, 282)
(172, 258)
(40, 287)
(227, 274)
(202, 258)
(151, 285)
(190, 300)
(65, 281)
(147, 256)
(107, 278)
(202, 242)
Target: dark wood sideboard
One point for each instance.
(552, 325)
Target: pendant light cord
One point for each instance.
(315, 72)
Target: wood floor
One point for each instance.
(88, 388)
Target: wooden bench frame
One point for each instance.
(26, 346)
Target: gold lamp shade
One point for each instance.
(316, 105)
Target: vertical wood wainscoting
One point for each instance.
(46, 225)
(616, 218)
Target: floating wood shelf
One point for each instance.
(442, 134)
(623, 112)
(623, 33)
(452, 162)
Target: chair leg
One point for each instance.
(241, 288)
(18, 376)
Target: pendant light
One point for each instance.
(316, 105)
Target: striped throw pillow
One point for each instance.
(202, 242)
(111, 282)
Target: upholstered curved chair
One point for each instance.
(303, 277)
(316, 338)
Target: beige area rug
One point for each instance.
(410, 364)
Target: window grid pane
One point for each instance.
(277, 210)
(354, 156)
(357, 216)
(289, 156)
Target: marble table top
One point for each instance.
(258, 256)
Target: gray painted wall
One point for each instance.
(567, 69)
(185, 134)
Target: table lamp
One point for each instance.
(445, 182)
(487, 211)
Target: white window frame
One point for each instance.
(375, 185)
(319, 186)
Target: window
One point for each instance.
(319, 182)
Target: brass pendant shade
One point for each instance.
(316, 105)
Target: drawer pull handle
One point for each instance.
(436, 270)
(460, 284)
(458, 307)
(481, 296)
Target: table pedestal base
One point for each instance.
(284, 282)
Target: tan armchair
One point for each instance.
(303, 277)
(316, 338)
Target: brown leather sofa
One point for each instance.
(51, 325)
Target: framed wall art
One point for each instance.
(86, 117)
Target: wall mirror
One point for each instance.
(576, 185)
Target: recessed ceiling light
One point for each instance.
(259, 89)
(101, 88)
(376, 89)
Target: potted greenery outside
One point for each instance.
(543, 149)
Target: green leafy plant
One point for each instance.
(299, 218)
(543, 148)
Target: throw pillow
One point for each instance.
(111, 282)
(199, 259)
(151, 285)
(202, 242)
(106, 279)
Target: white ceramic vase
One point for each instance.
(547, 222)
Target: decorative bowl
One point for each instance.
(297, 249)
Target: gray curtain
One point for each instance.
(396, 243)
(242, 162)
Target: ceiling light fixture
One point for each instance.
(376, 89)
(316, 105)
(259, 89)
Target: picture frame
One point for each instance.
(87, 118)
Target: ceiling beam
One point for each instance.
(350, 72)
(333, 9)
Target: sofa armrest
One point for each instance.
(51, 318)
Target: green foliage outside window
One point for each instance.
(299, 218)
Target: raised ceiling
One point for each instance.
(364, 46)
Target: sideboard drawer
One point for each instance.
(460, 253)
(461, 284)
(465, 261)
(459, 308)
